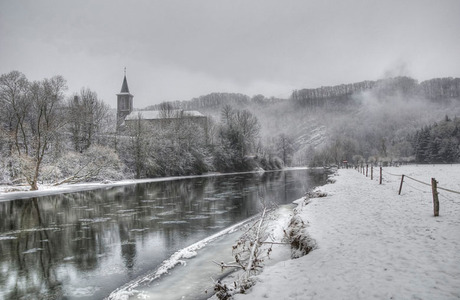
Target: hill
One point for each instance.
(367, 120)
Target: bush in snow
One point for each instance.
(297, 235)
(249, 254)
(317, 193)
(96, 164)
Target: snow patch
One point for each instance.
(197, 217)
(95, 220)
(173, 222)
(69, 258)
(373, 243)
(139, 229)
(167, 213)
(82, 291)
(33, 250)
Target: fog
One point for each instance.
(379, 123)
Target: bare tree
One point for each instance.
(238, 135)
(34, 116)
(285, 147)
(14, 88)
(137, 148)
(86, 116)
(167, 110)
(46, 120)
(249, 128)
(227, 114)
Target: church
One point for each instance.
(126, 116)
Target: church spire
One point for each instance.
(124, 86)
(124, 102)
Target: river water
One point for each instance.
(84, 245)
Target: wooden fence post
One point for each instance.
(400, 186)
(380, 180)
(434, 189)
(372, 172)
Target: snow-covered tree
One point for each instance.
(238, 136)
(86, 115)
(285, 148)
(438, 143)
(34, 117)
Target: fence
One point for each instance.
(434, 184)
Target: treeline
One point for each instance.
(48, 138)
(215, 101)
(434, 89)
(185, 147)
(325, 95)
(441, 88)
(438, 143)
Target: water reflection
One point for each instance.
(86, 244)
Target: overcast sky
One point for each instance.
(177, 50)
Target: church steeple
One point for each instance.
(124, 102)
(124, 86)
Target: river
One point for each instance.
(84, 245)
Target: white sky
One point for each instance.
(177, 50)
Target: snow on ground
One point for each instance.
(374, 244)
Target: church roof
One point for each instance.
(157, 114)
(124, 87)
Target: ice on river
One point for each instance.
(143, 285)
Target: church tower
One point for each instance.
(124, 102)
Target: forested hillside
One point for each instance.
(438, 142)
(378, 122)
(434, 89)
(364, 121)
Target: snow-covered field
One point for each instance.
(373, 243)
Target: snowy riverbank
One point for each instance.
(374, 244)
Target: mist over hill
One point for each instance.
(363, 121)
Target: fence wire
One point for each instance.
(398, 175)
(405, 176)
(449, 199)
(421, 182)
(447, 190)
(413, 187)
